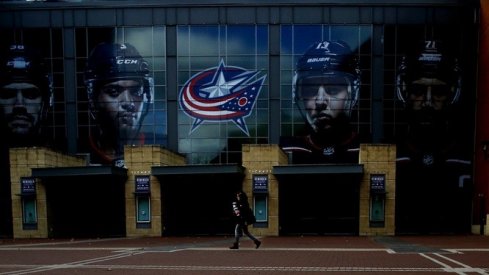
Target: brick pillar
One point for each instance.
(22, 160)
(378, 159)
(139, 160)
(260, 159)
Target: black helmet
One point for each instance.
(328, 59)
(110, 62)
(430, 62)
(24, 64)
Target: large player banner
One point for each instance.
(321, 117)
(122, 97)
(433, 132)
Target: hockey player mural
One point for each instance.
(432, 165)
(26, 96)
(325, 89)
(120, 90)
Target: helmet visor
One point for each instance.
(434, 90)
(114, 89)
(333, 85)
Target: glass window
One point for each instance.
(29, 211)
(222, 74)
(40, 53)
(429, 95)
(143, 209)
(131, 63)
(402, 44)
(326, 125)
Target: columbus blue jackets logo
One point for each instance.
(223, 93)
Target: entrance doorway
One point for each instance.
(318, 205)
(85, 207)
(198, 204)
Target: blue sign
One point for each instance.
(377, 183)
(142, 184)
(27, 185)
(260, 183)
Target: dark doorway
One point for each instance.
(432, 201)
(6, 229)
(85, 207)
(198, 204)
(318, 205)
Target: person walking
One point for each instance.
(243, 217)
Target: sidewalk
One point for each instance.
(277, 255)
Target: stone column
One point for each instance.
(260, 159)
(378, 159)
(139, 160)
(22, 160)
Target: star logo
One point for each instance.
(223, 93)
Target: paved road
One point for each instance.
(277, 255)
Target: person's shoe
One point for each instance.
(257, 244)
(234, 246)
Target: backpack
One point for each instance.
(250, 217)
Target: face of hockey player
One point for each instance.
(120, 105)
(428, 94)
(325, 99)
(21, 104)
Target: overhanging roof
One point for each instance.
(78, 171)
(318, 169)
(231, 169)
